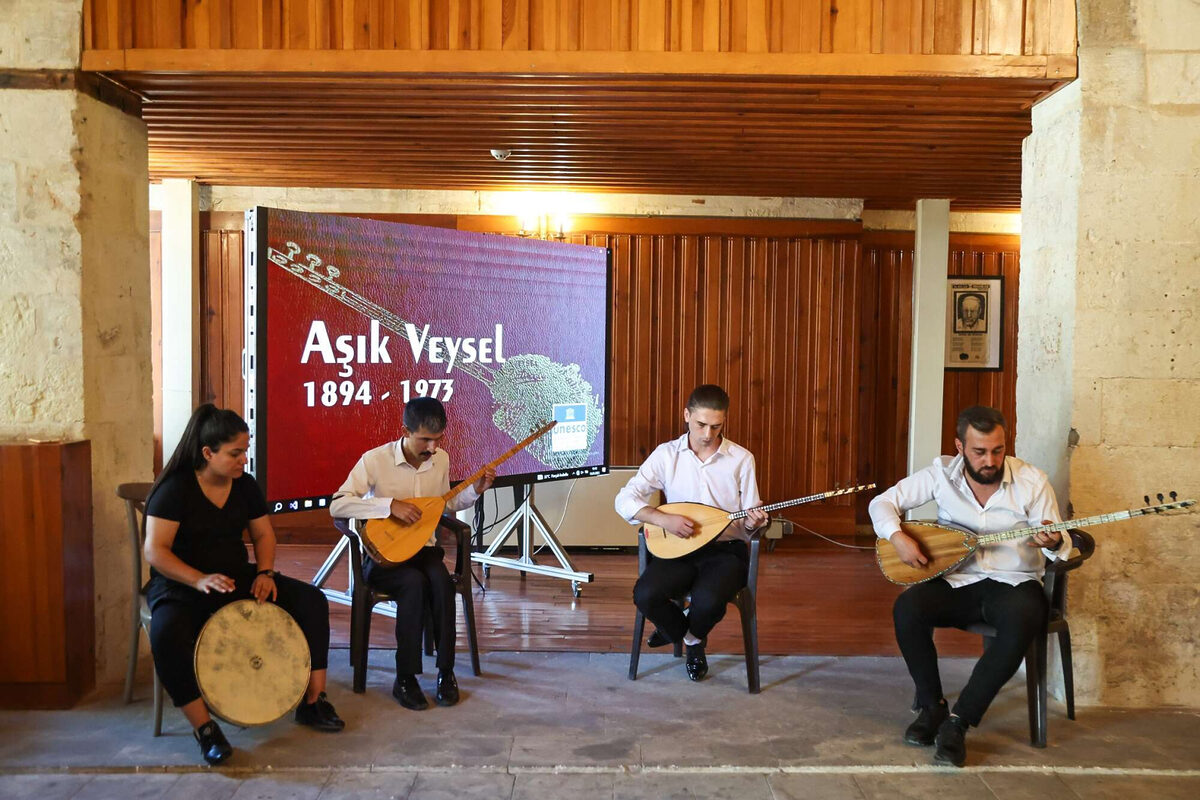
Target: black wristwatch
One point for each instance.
(270, 573)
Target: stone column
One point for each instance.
(1109, 379)
(931, 260)
(74, 285)
(180, 294)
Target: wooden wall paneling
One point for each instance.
(47, 614)
(221, 337)
(986, 255)
(883, 458)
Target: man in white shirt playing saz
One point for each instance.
(702, 466)
(377, 488)
(986, 492)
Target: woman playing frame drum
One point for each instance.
(195, 515)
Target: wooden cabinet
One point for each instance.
(47, 615)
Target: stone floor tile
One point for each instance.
(459, 785)
(283, 785)
(205, 786)
(361, 785)
(452, 749)
(947, 785)
(692, 786)
(801, 786)
(1127, 787)
(128, 786)
(563, 786)
(1026, 786)
(574, 751)
(45, 786)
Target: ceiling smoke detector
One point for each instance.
(499, 154)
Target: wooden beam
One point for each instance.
(97, 86)
(577, 63)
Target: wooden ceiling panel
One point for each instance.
(889, 141)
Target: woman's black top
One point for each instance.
(209, 538)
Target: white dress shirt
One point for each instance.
(1024, 498)
(383, 474)
(726, 479)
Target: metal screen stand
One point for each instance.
(528, 517)
(341, 551)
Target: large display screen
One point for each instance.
(349, 318)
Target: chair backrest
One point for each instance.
(1055, 579)
(356, 553)
(134, 495)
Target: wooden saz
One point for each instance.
(947, 546)
(391, 542)
(709, 522)
(252, 663)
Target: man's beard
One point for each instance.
(994, 477)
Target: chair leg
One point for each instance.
(363, 625)
(750, 643)
(1035, 684)
(635, 652)
(131, 668)
(1064, 652)
(677, 647)
(158, 705)
(468, 603)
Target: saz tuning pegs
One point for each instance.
(1146, 499)
(1173, 496)
(1160, 497)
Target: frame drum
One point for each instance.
(252, 663)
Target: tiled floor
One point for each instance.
(547, 725)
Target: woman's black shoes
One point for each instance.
(213, 745)
(320, 715)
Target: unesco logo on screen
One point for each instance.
(571, 431)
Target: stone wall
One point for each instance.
(113, 224)
(40, 34)
(1134, 327)
(74, 287)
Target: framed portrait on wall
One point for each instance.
(974, 321)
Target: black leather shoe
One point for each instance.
(697, 664)
(951, 743)
(925, 727)
(657, 639)
(213, 745)
(447, 688)
(319, 714)
(408, 692)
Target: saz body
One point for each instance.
(948, 546)
(709, 522)
(391, 542)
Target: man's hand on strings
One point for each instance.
(909, 550)
(405, 513)
(755, 518)
(1046, 539)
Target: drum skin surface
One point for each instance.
(252, 663)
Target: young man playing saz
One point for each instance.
(702, 466)
(986, 492)
(377, 488)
